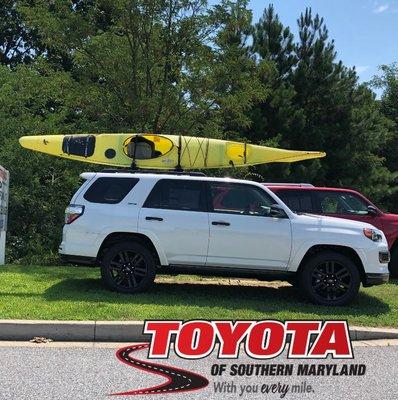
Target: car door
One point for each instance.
(344, 204)
(242, 232)
(175, 216)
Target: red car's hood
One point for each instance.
(391, 217)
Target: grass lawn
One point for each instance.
(76, 293)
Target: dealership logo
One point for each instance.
(177, 380)
(257, 339)
(261, 339)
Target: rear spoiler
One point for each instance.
(87, 175)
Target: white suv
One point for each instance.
(134, 225)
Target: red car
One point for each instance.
(342, 203)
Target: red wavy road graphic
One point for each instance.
(178, 380)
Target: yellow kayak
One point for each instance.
(160, 151)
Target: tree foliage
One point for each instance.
(388, 82)
(19, 42)
(180, 66)
(316, 103)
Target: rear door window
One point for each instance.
(176, 194)
(297, 200)
(109, 190)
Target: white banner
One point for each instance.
(4, 189)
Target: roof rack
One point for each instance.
(287, 184)
(151, 171)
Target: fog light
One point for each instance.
(384, 257)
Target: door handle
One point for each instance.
(154, 219)
(222, 223)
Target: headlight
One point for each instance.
(373, 234)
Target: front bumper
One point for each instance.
(375, 279)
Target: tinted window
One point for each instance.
(177, 195)
(341, 203)
(297, 200)
(240, 199)
(109, 190)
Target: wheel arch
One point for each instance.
(344, 250)
(116, 237)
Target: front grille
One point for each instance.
(384, 256)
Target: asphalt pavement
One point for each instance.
(85, 371)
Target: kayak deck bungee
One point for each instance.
(152, 151)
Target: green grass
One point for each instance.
(74, 293)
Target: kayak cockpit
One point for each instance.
(147, 147)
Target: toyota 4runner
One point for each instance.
(135, 225)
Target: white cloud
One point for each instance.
(381, 8)
(362, 68)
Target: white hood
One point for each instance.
(334, 221)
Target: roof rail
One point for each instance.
(287, 184)
(151, 171)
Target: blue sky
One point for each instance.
(365, 32)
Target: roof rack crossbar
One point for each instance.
(152, 171)
(287, 184)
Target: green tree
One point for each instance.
(388, 82)
(235, 78)
(274, 43)
(316, 79)
(155, 66)
(35, 100)
(18, 42)
(341, 117)
(273, 117)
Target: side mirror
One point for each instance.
(373, 211)
(277, 211)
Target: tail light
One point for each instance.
(73, 212)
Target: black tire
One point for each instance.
(393, 265)
(330, 279)
(128, 267)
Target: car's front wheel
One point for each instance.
(128, 267)
(330, 278)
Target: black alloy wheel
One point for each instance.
(330, 278)
(128, 267)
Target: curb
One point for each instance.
(74, 331)
(123, 331)
(368, 333)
